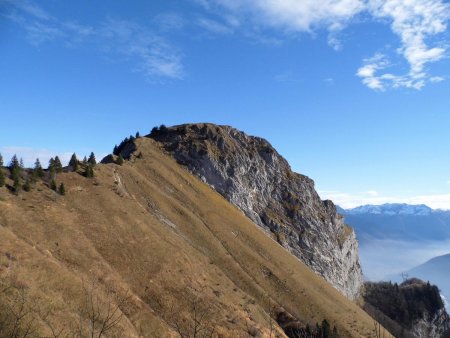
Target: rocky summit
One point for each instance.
(253, 176)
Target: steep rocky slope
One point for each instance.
(151, 230)
(250, 174)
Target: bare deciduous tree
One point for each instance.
(189, 315)
(99, 315)
(17, 315)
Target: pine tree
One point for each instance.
(21, 165)
(154, 131)
(62, 189)
(51, 163)
(27, 185)
(14, 163)
(1, 160)
(58, 165)
(2, 177)
(116, 150)
(85, 161)
(326, 329)
(89, 171)
(163, 129)
(38, 171)
(92, 159)
(119, 160)
(14, 167)
(138, 135)
(73, 163)
(53, 185)
(16, 184)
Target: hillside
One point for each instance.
(161, 245)
(253, 176)
(437, 271)
(410, 309)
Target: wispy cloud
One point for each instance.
(156, 57)
(287, 77)
(168, 22)
(29, 155)
(329, 81)
(149, 51)
(416, 22)
(347, 200)
(214, 26)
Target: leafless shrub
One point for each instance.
(98, 315)
(188, 314)
(17, 314)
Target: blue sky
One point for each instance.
(354, 93)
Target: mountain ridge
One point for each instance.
(250, 174)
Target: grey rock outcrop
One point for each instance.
(431, 326)
(250, 174)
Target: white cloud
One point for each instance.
(152, 54)
(287, 77)
(169, 22)
(29, 155)
(329, 81)
(298, 16)
(416, 22)
(347, 200)
(437, 79)
(155, 56)
(214, 26)
(29, 8)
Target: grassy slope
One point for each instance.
(151, 228)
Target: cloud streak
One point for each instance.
(29, 155)
(416, 22)
(154, 56)
(346, 200)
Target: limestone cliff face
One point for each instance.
(250, 174)
(431, 326)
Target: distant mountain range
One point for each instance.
(391, 209)
(399, 222)
(403, 238)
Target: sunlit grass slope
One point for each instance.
(153, 231)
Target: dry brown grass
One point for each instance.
(151, 230)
